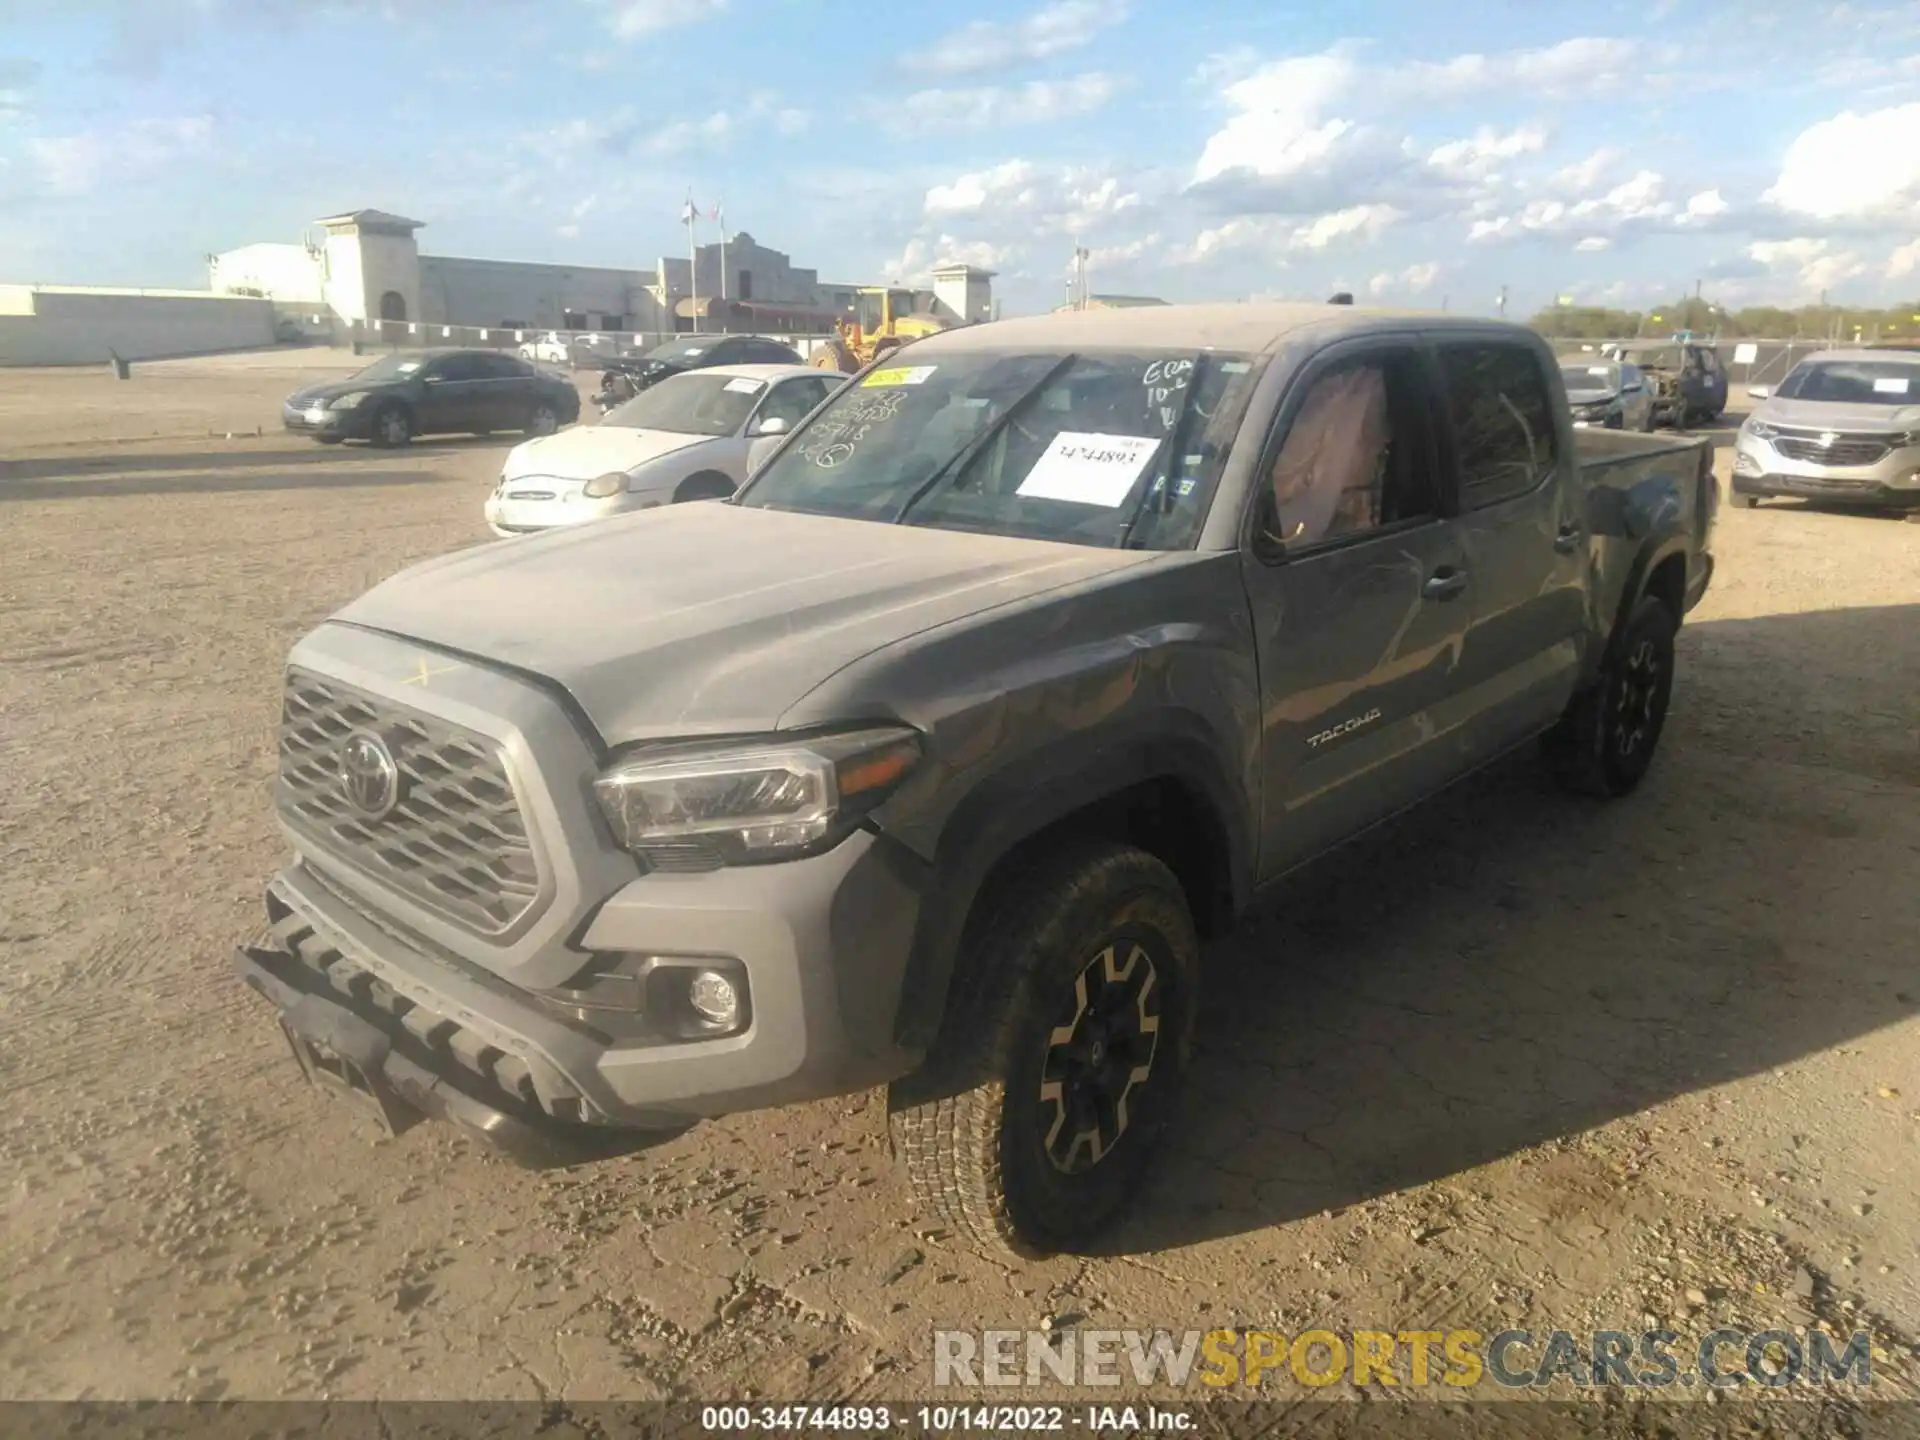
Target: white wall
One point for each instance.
(459, 291)
(363, 265)
(71, 325)
(286, 273)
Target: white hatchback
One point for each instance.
(686, 438)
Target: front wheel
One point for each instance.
(544, 420)
(1605, 742)
(1747, 502)
(1034, 1120)
(392, 428)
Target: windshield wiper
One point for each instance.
(1176, 448)
(963, 457)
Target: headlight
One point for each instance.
(1759, 429)
(746, 802)
(601, 486)
(347, 402)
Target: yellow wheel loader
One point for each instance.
(882, 320)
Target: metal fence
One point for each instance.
(1747, 362)
(582, 348)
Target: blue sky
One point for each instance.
(1413, 152)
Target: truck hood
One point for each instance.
(709, 618)
(589, 450)
(1830, 415)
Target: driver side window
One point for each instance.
(1354, 459)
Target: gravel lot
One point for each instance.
(1516, 1060)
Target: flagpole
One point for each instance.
(693, 264)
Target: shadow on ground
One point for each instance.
(1507, 965)
(207, 484)
(60, 467)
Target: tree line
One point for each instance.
(1760, 322)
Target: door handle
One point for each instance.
(1568, 540)
(1444, 584)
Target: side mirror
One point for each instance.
(759, 451)
(1760, 392)
(772, 425)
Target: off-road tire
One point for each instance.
(833, 353)
(1606, 741)
(972, 1127)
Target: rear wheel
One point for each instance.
(1747, 502)
(392, 427)
(1034, 1120)
(329, 439)
(1605, 742)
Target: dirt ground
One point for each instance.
(1514, 1061)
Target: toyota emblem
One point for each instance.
(369, 775)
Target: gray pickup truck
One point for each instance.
(930, 758)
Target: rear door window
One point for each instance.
(1502, 420)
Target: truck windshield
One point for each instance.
(1854, 382)
(1099, 447)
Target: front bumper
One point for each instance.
(345, 424)
(823, 943)
(506, 516)
(1759, 469)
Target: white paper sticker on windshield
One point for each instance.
(741, 385)
(1890, 385)
(1089, 469)
(900, 375)
(1599, 370)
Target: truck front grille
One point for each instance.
(1845, 450)
(452, 838)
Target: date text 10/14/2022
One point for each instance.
(945, 1419)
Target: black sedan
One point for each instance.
(438, 392)
(628, 375)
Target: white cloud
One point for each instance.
(1040, 199)
(1275, 238)
(1414, 280)
(1904, 261)
(1585, 65)
(1854, 166)
(1036, 102)
(1363, 222)
(1592, 244)
(916, 263)
(1807, 265)
(1584, 176)
(988, 45)
(1636, 204)
(621, 133)
(80, 163)
(635, 18)
(1478, 157)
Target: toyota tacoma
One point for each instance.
(931, 758)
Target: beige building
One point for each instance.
(366, 266)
